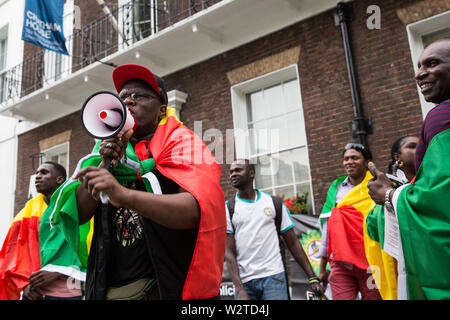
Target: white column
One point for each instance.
(176, 98)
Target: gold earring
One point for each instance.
(399, 163)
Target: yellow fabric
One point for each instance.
(170, 112)
(383, 266)
(359, 197)
(34, 207)
(90, 235)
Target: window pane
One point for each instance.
(296, 124)
(277, 129)
(2, 87)
(273, 96)
(431, 37)
(301, 164)
(58, 154)
(2, 54)
(282, 168)
(58, 66)
(266, 190)
(301, 189)
(62, 160)
(292, 95)
(263, 173)
(277, 137)
(258, 109)
(285, 192)
(290, 129)
(259, 138)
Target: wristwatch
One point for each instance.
(387, 204)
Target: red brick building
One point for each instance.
(309, 52)
(274, 70)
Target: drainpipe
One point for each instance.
(360, 126)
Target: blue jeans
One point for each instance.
(58, 298)
(63, 298)
(269, 288)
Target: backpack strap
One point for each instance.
(230, 205)
(278, 204)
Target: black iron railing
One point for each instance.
(134, 21)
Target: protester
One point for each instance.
(402, 158)
(165, 233)
(342, 218)
(253, 250)
(389, 266)
(19, 256)
(422, 206)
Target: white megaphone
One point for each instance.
(104, 115)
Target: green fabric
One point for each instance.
(330, 202)
(375, 224)
(423, 211)
(62, 241)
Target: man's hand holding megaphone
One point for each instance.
(99, 179)
(114, 148)
(105, 116)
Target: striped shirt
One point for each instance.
(437, 120)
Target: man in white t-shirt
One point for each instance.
(253, 251)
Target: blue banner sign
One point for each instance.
(43, 24)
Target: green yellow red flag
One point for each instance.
(424, 221)
(19, 256)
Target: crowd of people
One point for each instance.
(167, 231)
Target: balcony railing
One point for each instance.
(136, 20)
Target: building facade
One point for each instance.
(262, 79)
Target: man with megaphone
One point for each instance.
(165, 229)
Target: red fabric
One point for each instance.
(19, 257)
(346, 238)
(181, 156)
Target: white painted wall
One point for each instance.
(8, 161)
(11, 17)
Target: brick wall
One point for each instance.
(28, 144)
(384, 73)
(90, 10)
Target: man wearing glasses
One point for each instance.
(167, 215)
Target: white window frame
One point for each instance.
(50, 57)
(4, 37)
(239, 110)
(122, 21)
(415, 32)
(46, 156)
(55, 150)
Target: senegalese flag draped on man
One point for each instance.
(423, 217)
(181, 156)
(346, 222)
(19, 256)
(30, 246)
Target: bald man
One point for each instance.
(422, 206)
